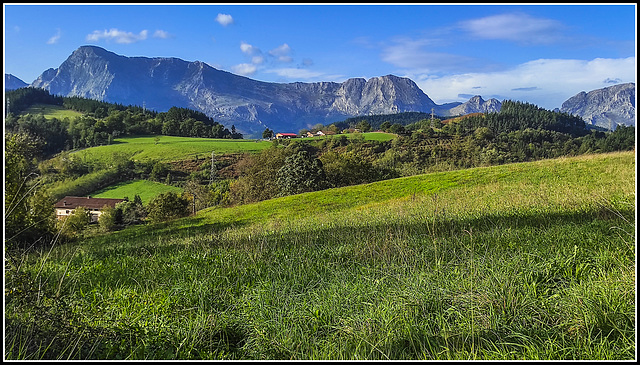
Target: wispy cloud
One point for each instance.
(282, 53)
(161, 34)
(224, 19)
(55, 38)
(419, 54)
(555, 80)
(244, 69)
(119, 36)
(294, 73)
(249, 50)
(517, 27)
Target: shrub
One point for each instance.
(167, 206)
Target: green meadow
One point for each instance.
(52, 111)
(146, 189)
(529, 261)
(170, 148)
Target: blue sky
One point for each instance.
(542, 54)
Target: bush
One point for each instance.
(167, 206)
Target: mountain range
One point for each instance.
(251, 105)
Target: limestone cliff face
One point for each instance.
(606, 107)
(160, 83)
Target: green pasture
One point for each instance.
(529, 261)
(146, 189)
(52, 111)
(169, 148)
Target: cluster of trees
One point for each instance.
(375, 121)
(102, 121)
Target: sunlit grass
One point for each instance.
(170, 148)
(146, 189)
(526, 261)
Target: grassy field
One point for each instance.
(169, 148)
(524, 261)
(145, 188)
(52, 111)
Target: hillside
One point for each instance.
(513, 262)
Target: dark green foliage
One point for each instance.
(380, 121)
(28, 210)
(167, 206)
(268, 133)
(350, 168)
(21, 99)
(301, 173)
(131, 212)
(102, 121)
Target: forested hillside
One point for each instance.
(102, 122)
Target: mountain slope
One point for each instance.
(476, 105)
(606, 107)
(159, 83)
(11, 82)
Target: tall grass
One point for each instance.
(527, 261)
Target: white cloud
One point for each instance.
(544, 82)
(292, 74)
(161, 34)
(55, 38)
(414, 54)
(117, 35)
(248, 49)
(295, 73)
(224, 19)
(518, 27)
(244, 69)
(257, 60)
(282, 53)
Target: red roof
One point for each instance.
(72, 202)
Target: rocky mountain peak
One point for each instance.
(606, 107)
(476, 104)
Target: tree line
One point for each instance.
(101, 122)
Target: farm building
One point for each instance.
(286, 135)
(65, 206)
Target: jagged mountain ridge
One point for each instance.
(11, 82)
(477, 105)
(250, 105)
(606, 107)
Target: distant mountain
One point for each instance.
(476, 105)
(250, 105)
(606, 107)
(11, 82)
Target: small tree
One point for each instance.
(131, 212)
(167, 206)
(301, 173)
(75, 223)
(268, 133)
(363, 126)
(108, 219)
